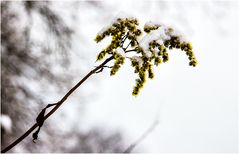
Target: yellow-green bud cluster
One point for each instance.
(175, 42)
(101, 55)
(187, 47)
(119, 30)
(153, 51)
(149, 27)
(159, 52)
(119, 60)
(141, 68)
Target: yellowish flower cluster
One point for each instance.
(141, 70)
(149, 52)
(150, 26)
(119, 60)
(121, 29)
(175, 42)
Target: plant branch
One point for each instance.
(127, 46)
(144, 135)
(123, 39)
(102, 68)
(136, 41)
(57, 105)
(130, 50)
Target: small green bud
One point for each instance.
(167, 43)
(150, 72)
(135, 91)
(138, 32)
(148, 28)
(136, 69)
(165, 57)
(189, 45)
(116, 55)
(142, 75)
(114, 69)
(157, 61)
(98, 38)
(193, 63)
(132, 43)
(101, 55)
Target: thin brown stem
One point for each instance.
(64, 98)
(130, 50)
(136, 41)
(124, 38)
(127, 46)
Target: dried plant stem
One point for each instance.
(64, 98)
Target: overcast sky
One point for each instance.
(196, 107)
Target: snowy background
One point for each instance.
(197, 108)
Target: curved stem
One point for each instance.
(64, 98)
(130, 50)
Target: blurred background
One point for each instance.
(48, 46)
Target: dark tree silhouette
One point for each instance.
(24, 58)
(19, 58)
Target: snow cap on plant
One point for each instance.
(143, 51)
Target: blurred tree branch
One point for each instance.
(141, 138)
(25, 57)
